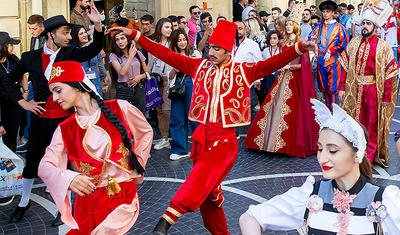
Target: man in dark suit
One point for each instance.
(47, 114)
(238, 8)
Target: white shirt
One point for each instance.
(305, 31)
(268, 52)
(248, 51)
(356, 20)
(245, 12)
(390, 35)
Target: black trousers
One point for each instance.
(40, 134)
(135, 95)
(11, 114)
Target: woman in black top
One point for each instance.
(11, 115)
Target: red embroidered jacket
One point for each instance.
(220, 93)
(80, 157)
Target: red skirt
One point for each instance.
(92, 210)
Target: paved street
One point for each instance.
(255, 177)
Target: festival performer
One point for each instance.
(46, 113)
(107, 144)
(345, 202)
(332, 39)
(368, 88)
(220, 102)
(285, 122)
(389, 30)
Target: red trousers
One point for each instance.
(91, 210)
(214, 153)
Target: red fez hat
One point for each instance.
(224, 35)
(67, 71)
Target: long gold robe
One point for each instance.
(385, 69)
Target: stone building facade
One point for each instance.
(14, 13)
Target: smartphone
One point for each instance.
(133, 9)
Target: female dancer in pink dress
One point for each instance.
(107, 144)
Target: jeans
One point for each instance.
(97, 83)
(179, 123)
(134, 95)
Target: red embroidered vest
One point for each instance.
(85, 162)
(223, 91)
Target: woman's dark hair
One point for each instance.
(4, 53)
(270, 33)
(118, 9)
(174, 41)
(119, 52)
(75, 35)
(159, 25)
(365, 165)
(133, 162)
(115, 48)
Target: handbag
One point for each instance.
(177, 91)
(11, 167)
(158, 78)
(153, 94)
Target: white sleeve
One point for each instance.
(285, 211)
(256, 52)
(391, 199)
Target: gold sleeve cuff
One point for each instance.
(137, 36)
(168, 219)
(296, 47)
(174, 212)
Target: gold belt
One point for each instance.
(366, 80)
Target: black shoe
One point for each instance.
(19, 213)
(57, 221)
(161, 227)
(22, 149)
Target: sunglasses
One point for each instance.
(197, 13)
(183, 22)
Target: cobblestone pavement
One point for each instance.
(255, 177)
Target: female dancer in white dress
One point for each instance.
(345, 202)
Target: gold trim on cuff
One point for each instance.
(168, 219)
(296, 47)
(223, 199)
(138, 34)
(174, 212)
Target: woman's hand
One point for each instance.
(132, 50)
(133, 81)
(309, 46)
(341, 96)
(287, 67)
(94, 14)
(33, 106)
(257, 85)
(124, 30)
(82, 185)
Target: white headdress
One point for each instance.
(377, 11)
(342, 123)
(296, 13)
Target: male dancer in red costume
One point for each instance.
(220, 102)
